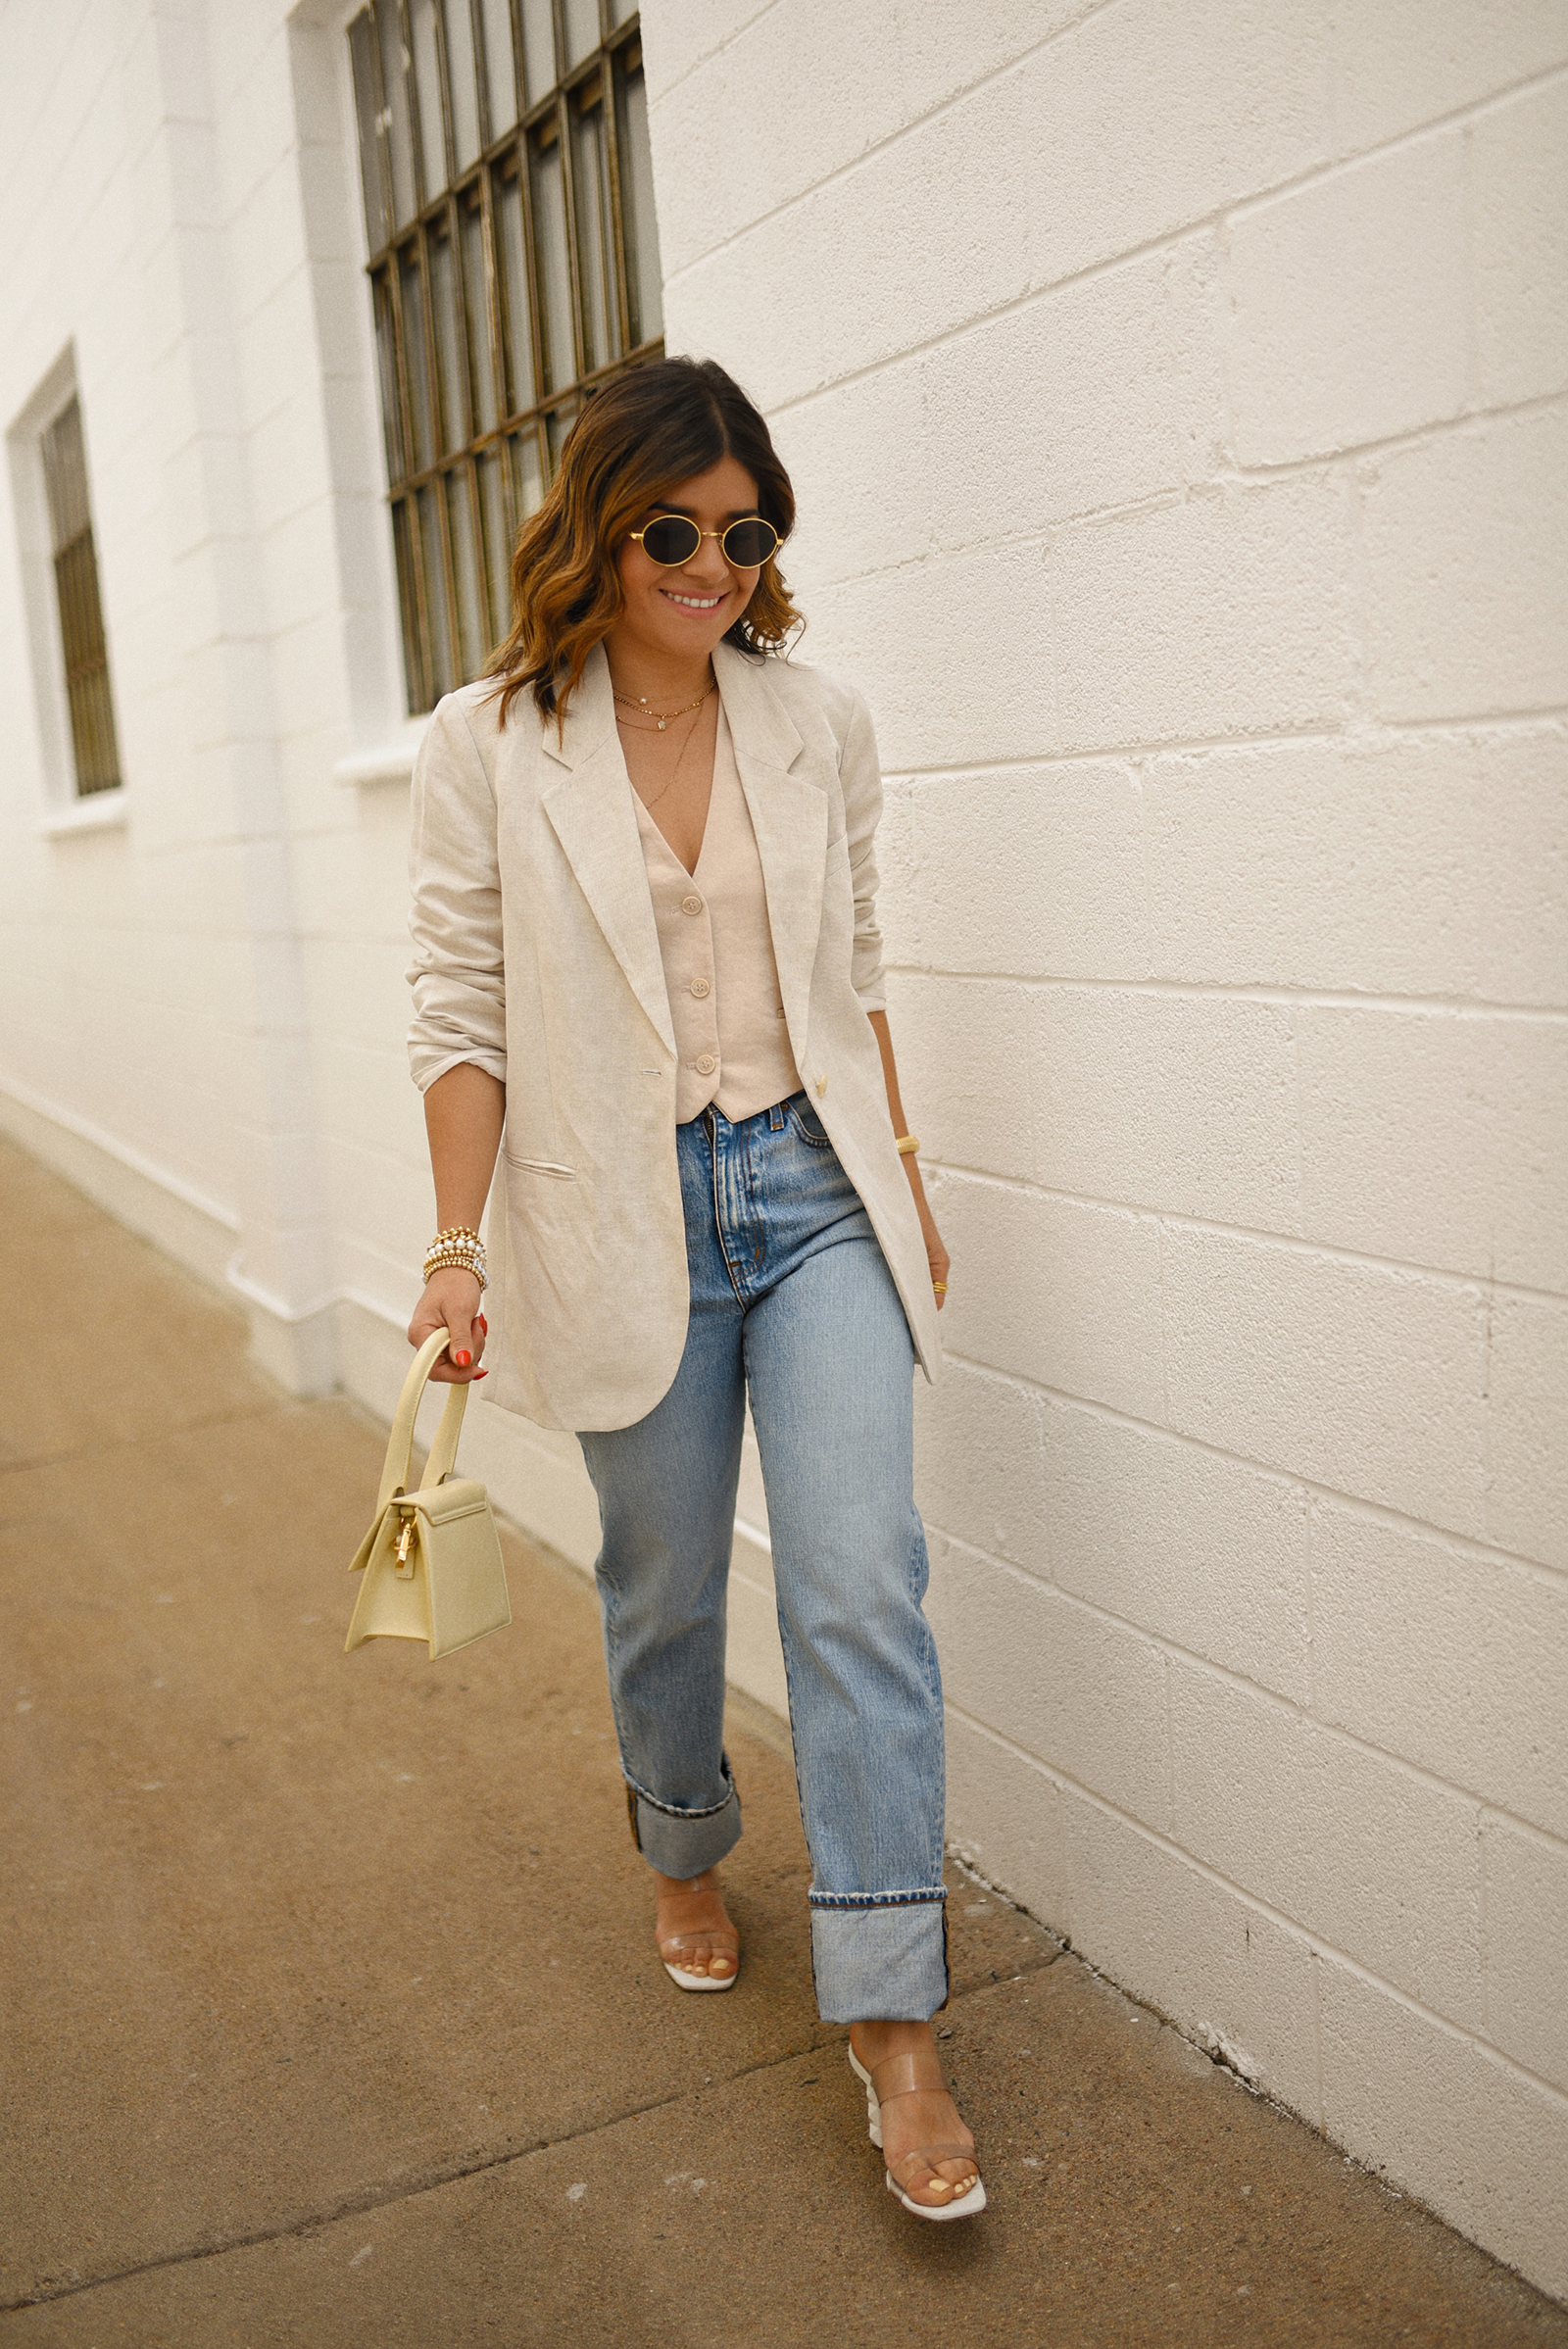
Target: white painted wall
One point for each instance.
(1175, 396)
(1176, 402)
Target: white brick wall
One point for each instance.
(1182, 478)
(1177, 400)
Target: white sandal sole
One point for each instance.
(699, 1981)
(966, 2205)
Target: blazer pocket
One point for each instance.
(541, 1166)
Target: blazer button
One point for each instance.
(707, 1066)
(691, 905)
(700, 987)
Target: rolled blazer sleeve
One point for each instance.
(459, 993)
(860, 774)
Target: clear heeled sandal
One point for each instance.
(671, 1948)
(915, 2075)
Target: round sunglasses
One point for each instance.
(671, 539)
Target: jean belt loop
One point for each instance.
(775, 1118)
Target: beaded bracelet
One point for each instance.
(450, 1259)
(460, 1249)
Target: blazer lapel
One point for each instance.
(590, 809)
(789, 817)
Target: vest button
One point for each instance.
(707, 1066)
(691, 905)
(700, 987)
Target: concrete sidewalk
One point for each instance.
(331, 2014)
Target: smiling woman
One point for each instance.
(634, 451)
(648, 977)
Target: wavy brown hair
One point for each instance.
(638, 435)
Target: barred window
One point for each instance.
(513, 263)
(84, 649)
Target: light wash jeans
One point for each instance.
(792, 1299)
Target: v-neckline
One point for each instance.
(691, 870)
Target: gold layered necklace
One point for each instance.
(680, 756)
(662, 717)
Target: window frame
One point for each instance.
(436, 462)
(68, 806)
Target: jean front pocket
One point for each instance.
(805, 1122)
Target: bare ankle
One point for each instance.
(668, 1887)
(884, 2039)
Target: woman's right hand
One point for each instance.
(451, 1301)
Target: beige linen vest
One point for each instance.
(731, 1042)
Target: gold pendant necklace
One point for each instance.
(680, 761)
(662, 716)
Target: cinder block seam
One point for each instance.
(1345, 454)
(1419, 134)
(735, 33)
(1313, 1944)
(1367, 735)
(1356, 734)
(882, 146)
(1175, 1653)
(1480, 1284)
(1199, 224)
(1463, 1546)
(1284, 998)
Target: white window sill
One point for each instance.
(388, 762)
(100, 811)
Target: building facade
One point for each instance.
(1177, 400)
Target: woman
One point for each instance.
(647, 974)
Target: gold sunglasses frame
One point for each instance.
(637, 536)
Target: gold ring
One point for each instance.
(941, 1288)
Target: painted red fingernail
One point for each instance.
(481, 1374)
(484, 1325)
(463, 1357)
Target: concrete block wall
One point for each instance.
(1176, 403)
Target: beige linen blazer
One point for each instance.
(536, 957)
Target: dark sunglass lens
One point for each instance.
(750, 542)
(671, 539)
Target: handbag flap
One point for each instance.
(438, 1504)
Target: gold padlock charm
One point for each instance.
(405, 1560)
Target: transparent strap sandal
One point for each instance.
(920, 2075)
(719, 1942)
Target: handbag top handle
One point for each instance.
(400, 1443)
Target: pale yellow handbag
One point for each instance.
(431, 1560)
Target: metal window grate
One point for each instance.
(513, 263)
(81, 617)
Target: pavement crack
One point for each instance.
(374, 2199)
(428, 2181)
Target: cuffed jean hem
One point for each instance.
(683, 1843)
(885, 1961)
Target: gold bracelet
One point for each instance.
(471, 1269)
(464, 1248)
(908, 1145)
(463, 1253)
